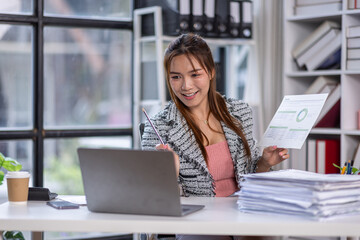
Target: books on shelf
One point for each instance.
(331, 50)
(321, 85)
(321, 43)
(311, 155)
(321, 154)
(353, 4)
(353, 53)
(314, 37)
(312, 2)
(353, 31)
(356, 158)
(327, 153)
(353, 42)
(316, 9)
(330, 113)
(353, 64)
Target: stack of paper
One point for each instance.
(300, 193)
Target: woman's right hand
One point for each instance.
(176, 157)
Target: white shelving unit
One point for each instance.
(151, 49)
(296, 81)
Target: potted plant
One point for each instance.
(10, 165)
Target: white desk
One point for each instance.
(219, 217)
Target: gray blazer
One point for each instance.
(194, 176)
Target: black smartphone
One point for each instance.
(62, 204)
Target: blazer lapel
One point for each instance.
(182, 141)
(233, 140)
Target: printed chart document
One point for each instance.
(293, 120)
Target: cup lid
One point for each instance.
(18, 174)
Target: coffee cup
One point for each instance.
(18, 186)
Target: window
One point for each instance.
(65, 81)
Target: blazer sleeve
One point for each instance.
(243, 112)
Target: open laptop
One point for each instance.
(131, 182)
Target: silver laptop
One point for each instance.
(131, 182)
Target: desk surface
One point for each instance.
(219, 217)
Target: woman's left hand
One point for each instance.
(271, 156)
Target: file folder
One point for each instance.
(171, 17)
(246, 19)
(222, 15)
(197, 17)
(235, 24)
(209, 18)
(184, 15)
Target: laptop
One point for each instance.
(131, 182)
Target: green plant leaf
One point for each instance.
(11, 164)
(337, 166)
(1, 177)
(13, 235)
(2, 159)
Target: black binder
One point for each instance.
(209, 18)
(197, 17)
(222, 18)
(246, 19)
(170, 17)
(235, 19)
(184, 7)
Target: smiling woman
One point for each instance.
(190, 82)
(211, 136)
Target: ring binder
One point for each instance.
(246, 19)
(222, 16)
(235, 19)
(197, 17)
(184, 15)
(209, 15)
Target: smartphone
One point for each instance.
(62, 204)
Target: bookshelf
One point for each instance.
(296, 81)
(149, 90)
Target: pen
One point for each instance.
(162, 142)
(343, 170)
(349, 167)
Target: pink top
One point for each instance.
(221, 167)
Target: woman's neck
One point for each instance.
(201, 113)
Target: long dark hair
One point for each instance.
(193, 46)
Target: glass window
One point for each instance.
(111, 9)
(22, 152)
(62, 173)
(87, 77)
(16, 103)
(16, 6)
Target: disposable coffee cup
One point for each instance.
(18, 187)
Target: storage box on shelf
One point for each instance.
(297, 79)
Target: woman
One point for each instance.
(211, 136)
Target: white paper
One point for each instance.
(293, 120)
(296, 193)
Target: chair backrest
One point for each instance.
(141, 129)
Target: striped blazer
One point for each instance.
(194, 176)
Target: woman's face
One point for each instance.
(190, 85)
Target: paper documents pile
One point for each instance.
(300, 193)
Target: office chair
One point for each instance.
(141, 129)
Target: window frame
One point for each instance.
(38, 134)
